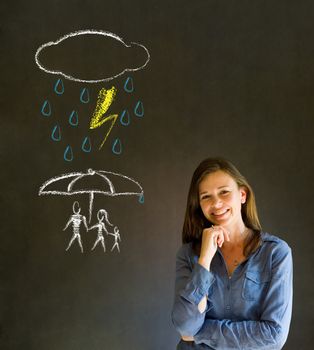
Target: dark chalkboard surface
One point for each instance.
(163, 84)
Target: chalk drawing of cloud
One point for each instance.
(91, 49)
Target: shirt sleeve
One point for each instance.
(271, 331)
(191, 285)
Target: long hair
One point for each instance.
(195, 221)
(102, 213)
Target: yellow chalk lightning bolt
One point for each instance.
(104, 101)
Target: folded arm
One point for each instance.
(271, 331)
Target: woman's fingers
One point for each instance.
(214, 236)
(217, 235)
(220, 239)
(221, 235)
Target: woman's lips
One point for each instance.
(220, 214)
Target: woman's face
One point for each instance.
(221, 199)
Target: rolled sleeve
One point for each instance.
(198, 285)
(193, 282)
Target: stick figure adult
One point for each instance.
(101, 215)
(76, 219)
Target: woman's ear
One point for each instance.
(243, 194)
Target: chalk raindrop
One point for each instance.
(125, 118)
(46, 109)
(68, 154)
(141, 198)
(139, 109)
(86, 144)
(117, 147)
(128, 85)
(73, 118)
(84, 96)
(56, 133)
(59, 87)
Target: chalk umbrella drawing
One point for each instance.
(71, 185)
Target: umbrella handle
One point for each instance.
(91, 199)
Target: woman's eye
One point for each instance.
(225, 192)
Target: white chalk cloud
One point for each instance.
(100, 33)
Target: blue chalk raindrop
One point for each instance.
(125, 118)
(141, 198)
(46, 109)
(117, 147)
(139, 109)
(56, 133)
(68, 154)
(59, 87)
(86, 145)
(128, 85)
(84, 96)
(73, 118)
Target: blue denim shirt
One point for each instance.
(249, 310)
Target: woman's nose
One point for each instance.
(217, 203)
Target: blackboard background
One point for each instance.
(229, 78)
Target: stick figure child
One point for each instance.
(101, 215)
(76, 220)
(117, 237)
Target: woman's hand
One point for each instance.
(212, 238)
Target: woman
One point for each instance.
(233, 285)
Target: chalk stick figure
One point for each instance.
(117, 238)
(101, 215)
(76, 219)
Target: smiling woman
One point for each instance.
(233, 285)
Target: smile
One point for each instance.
(220, 213)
